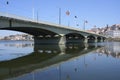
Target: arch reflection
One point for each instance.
(42, 57)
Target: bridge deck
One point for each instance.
(12, 16)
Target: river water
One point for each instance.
(22, 60)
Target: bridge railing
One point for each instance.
(14, 16)
(4, 14)
(34, 20)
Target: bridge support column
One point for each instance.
(86, 39)
(50, 40)
(102, 40)
(86, 46)
(96, 40)
(62, 40)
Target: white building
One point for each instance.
(1, 37)
(113, 33)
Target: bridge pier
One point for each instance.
(102, 40)
(50, 40)
(96, 39)
(86, 39)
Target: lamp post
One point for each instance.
(85, 21)
(37, 16)
(33, 11)
(7, 9)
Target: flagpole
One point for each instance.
(59, 16)
(68, 13)
(68, 23)
(85, 21)
(33, 11)
(84, 26)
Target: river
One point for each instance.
(22, 60)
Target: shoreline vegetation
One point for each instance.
(108, 39)
(113, 39)
(16, 40)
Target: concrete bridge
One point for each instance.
(47, 33)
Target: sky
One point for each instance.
(98, 13)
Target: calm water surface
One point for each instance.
(22, 60)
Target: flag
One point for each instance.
(7, 2)
(67, 13)
(75, 16)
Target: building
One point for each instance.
(110, 31)
(18, 37)
(113, 34)
(0, 38)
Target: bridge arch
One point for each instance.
(91, 38)
(99, 39)
(74, 37)
(31, 30)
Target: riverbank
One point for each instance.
(113, 39)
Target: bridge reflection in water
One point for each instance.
(52, 58)
(43, 57)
